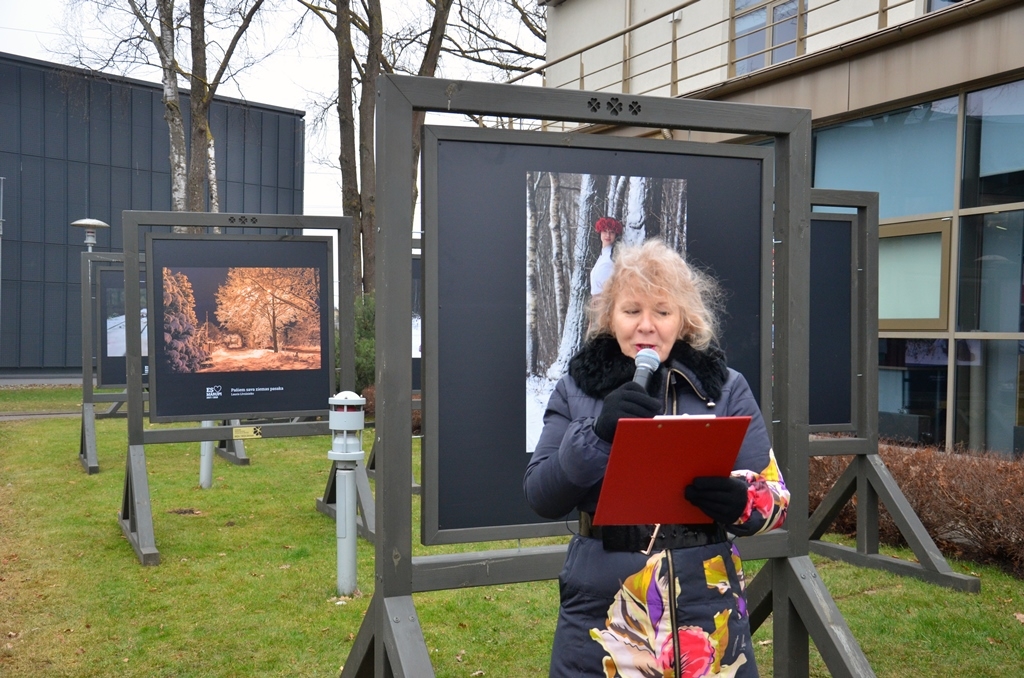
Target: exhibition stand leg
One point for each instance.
(136, 515)
(87, 443)
(232, 451)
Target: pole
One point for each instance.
(206, 460)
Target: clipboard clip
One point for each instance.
(654, 536)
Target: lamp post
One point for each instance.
(346, 422)
(90, 226)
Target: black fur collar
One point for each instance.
(600, 367)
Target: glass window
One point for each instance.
(913, 275)
(912, 390)
(994, 146)
(755, 33)
(989, 413)
(991, 282)
(907, 156)
(936, 5)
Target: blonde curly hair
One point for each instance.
(656, 270)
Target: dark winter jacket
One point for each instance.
(616, 617)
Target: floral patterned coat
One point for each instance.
(621, 611)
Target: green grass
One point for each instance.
(42, 399)
(246, 584)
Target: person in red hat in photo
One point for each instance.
(609, 229)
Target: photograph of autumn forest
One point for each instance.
(241, 319)
(574, 224)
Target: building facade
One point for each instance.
(919, 100)
(76, 144)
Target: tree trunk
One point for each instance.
(367, 163)
(558, 255)
(350, 199)
(199, 85)
(177, 155)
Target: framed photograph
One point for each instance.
(111, 343)
(515, 246)
(241, 326)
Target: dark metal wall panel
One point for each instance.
(78, 191)
(253, 129)
(78, 120)
(142, 128)
(55, 264)
(32, 86)
(99, 123)
(31, 198)
(31, 354)
(55, 202)
(298, 177)
(235, 151)
(55, 123)
(10, 109)
(251, 199)
(232, 198)
(161, 195)
(10, 337)
(120, 126)
(268, 200)
(10, 167)
(269, 156)
(286, 152)
(73, 146)
(54, 324)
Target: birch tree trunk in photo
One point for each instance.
(634, 218)
(592, 201)
(558, 255)
(531, 271)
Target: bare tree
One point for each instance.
(367, 48)
(259, 303)
(148, 33)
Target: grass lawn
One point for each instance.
(246, 584)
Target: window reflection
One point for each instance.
(989, 411)
(994, 146)
(991, 255)
(912, 390)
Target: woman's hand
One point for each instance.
(629, 400)
(723, 499)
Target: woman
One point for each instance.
(678, 609)
(609, 230)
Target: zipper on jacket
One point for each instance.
(670, 384)
(673, 618)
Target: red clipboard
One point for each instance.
(653, 460)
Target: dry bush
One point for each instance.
(971, 504)
(370, 393)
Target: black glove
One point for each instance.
(629, 400)
(722, 499)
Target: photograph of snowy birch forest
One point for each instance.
(562, 248)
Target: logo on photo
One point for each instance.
(213, 392)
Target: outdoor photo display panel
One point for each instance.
(494, 370)
(111, 367)
(241, 326)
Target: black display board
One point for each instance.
(111, 340)
(831, 331)
(240, 326)
(481, 231)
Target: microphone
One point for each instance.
(647, 361)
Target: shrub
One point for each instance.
(365, 329)
(971, 504)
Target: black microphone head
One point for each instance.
(647, 359)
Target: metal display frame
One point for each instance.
(867, 476)
(87, 453)
(390, 640)
(431, 530)
(135, 515)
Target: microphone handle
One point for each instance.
(642, 375)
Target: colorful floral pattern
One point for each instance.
(638, 637)
(767, 496)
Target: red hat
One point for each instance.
(608, 224)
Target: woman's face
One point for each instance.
(639, 321)
(607, 238)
